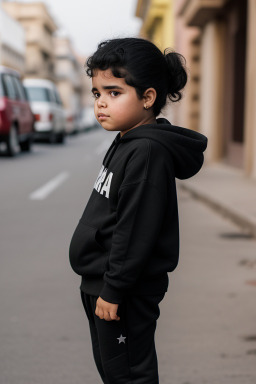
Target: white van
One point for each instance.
(46, 105)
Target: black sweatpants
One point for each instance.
(124, 351)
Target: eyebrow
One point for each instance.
(108, 87)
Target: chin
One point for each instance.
(110, 128)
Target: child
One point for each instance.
(128, 236)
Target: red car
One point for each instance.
(16, 118)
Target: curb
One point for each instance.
(245, 221)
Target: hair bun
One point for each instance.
(177, 75)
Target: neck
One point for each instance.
(149, 120)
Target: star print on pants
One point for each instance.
(121, 339)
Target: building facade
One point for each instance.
(86, 84)
(218, 40)
(68, 76)
(12, 43)
(39, 28)
(157, 26)
(226, 77)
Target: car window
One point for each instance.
(9, 87)
(52, 96)
(1, 87)
(38, 94)
(19, 89)
(58, 98)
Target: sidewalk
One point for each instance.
(227, 190)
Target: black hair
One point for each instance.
(142, 65)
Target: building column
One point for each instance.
(211, 88)
(250, 96)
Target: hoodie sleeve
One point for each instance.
(140, 212)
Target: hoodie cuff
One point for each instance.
(110, 294)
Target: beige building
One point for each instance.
(12, 43)
(157, 26)
(187, 42)
(68, 76)
(39, 28)
(86, 84)
(222, 61)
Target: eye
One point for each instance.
(96, 95)
(114, 93)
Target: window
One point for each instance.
(58, 98)
(19, 89)
(52, 96)
(1, 87)
(38, 94)
(9, 87)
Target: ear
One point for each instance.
(149, 97)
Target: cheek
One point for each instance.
(127, 106)
(118, 108)
(95, 109)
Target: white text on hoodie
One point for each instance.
(103, 183)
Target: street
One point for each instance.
(206, 331)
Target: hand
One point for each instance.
(106, 311)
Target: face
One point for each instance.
(117, 106)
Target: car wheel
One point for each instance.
(61, 137)
(25, 146)
(13, 145)
(52, 138)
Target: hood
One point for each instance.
(185, 146)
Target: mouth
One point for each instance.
(101, 116)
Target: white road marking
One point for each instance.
(44, 191)
(103, 147)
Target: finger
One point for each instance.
(101, 313)
(107, 316)
(114, 316)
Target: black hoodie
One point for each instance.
(128, 236)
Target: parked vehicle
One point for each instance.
(88, 119)
(74, 122)
(16, 118)
(46, 104)
(70, 123)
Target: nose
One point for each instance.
(101, 102)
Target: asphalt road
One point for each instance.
(206, 331)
